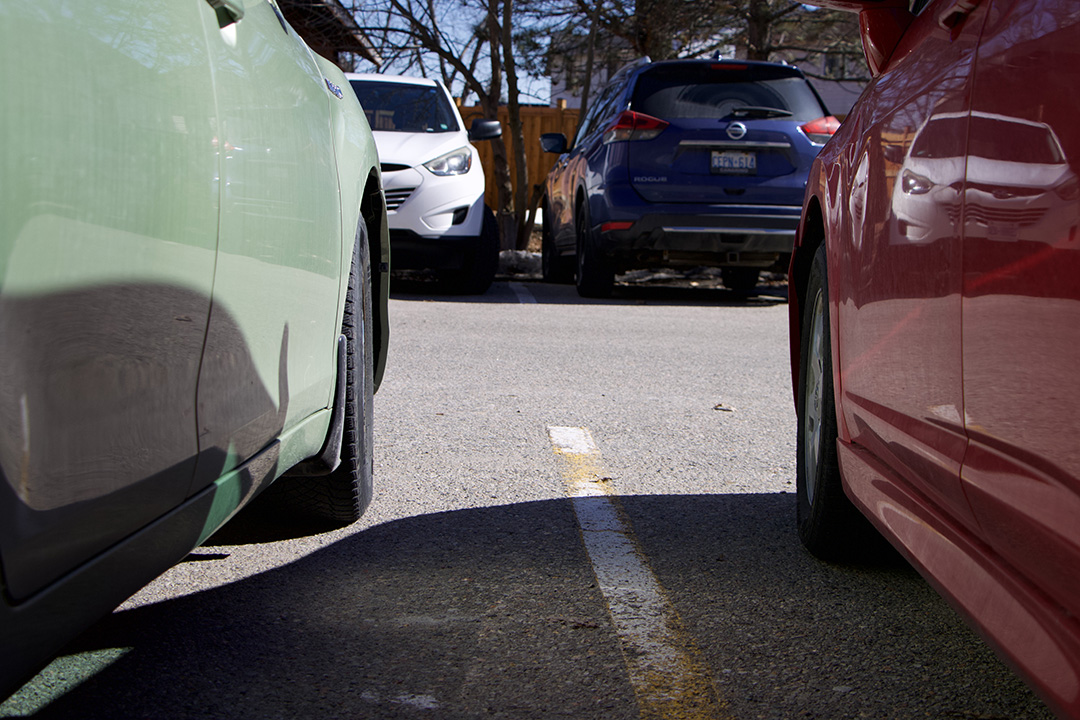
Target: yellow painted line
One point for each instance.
(670, 678)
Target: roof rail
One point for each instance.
(630, 67)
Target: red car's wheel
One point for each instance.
(829, 525)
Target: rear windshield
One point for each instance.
(717, 90)
(396, 107)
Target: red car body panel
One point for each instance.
(949, 203)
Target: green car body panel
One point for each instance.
(182, 192)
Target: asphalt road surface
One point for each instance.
(584, 509)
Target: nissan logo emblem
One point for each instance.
(736, 131)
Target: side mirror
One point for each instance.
(881, 30)
(485, 130)
(553, 143)
(894, 153)
(881, 23)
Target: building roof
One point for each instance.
(329, 29)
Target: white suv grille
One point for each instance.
(395, 197)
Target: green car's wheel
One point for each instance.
(343, 495)
(829, 525)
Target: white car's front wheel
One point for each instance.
(481, 263)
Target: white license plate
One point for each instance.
(734, 162)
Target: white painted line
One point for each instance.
(523, 295)
(665, 667)
(575, 440)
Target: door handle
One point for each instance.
(955, 13)
(234, 9)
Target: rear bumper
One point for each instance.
(750, 237)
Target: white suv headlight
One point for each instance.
(457, 162)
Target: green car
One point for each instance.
(193, 286)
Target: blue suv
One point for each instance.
(683, 163)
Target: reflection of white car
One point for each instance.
(927, 186)
(1034, 202)
(432, 178)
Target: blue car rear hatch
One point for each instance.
(720, 133)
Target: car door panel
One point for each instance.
(574, 177)
(1021, 297)
(563, 187)
(105, 274)
(899, 264)
(271, 343)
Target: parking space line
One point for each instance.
(665, 666)
(524, 296)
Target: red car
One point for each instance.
(935, 319)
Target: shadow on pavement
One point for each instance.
(624, 294)
(494, 613)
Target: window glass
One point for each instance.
(943, 136)
(1012, 141)
(597, 112)
(717, 90)
(397, 107)
(586, 122)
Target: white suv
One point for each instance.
(432, 178)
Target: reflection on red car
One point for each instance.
(935, 319)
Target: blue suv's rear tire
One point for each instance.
(595, 274)
(555, 267)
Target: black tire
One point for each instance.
(829, 525)
(341, 497)
(595, 275)
(554, 267)
(741, 281)
(480, 265)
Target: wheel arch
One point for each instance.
(373, 215)
(811, 235)
(581, 200)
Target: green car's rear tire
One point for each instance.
(341, 497)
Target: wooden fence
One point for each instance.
(535, 121)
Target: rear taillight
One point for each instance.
(631, 125)
(819, 131)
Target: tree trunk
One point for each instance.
(517, 134)
(504, 188)
(654, 29)
(590, 54)
(758, 26)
